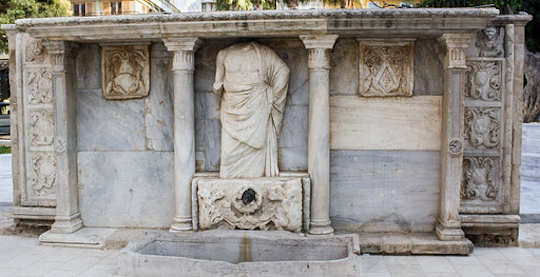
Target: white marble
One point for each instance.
(126, 189)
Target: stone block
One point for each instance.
(394, 123)
(126, 189)
(104, 125)
(384, 191)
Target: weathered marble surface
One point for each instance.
(126, 189)
(428, 67)
(384, 191)
(400, 123)
(109, 125)
(158, 105)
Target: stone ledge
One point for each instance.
(411, 243)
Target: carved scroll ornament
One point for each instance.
(386, 68)
(42, 123)
(485, 80)
(44, 173)
(479, 177)
(248, 205)
(40, 84)
(482, 127)
(125, 72)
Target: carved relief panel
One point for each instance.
(386, 68)
(250, 204)
(125, 72)
(482, 180)
(38, 188)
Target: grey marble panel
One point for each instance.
(344, 73)
(104, 125)
(126, 189)
(208, 144)
(293, 141)
(384, 191)
(428, 67)
(158, 106)
(88, 67)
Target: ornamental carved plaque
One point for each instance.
(44, 173)
(125, 72)
(42, 131)
(482, 127)
(480, 178)
(250, 204)
(386, 68)
(485, 80)
(40, 86)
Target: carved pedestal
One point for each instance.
(266, 203)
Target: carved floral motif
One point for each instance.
(44, 173)
(250, 204)
(40, 84)
(479, 179)
(482, 127)
(42, 123)
(455, 147)
(485, 80)
(386, 69)
(126, 72)
(491, 41)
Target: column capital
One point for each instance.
(456, 43)
(319, 41)
(183, 52)
(176, 44)
(58, 50)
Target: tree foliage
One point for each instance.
(11, 10)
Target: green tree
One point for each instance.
(11, 10)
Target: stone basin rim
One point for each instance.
(134, 247)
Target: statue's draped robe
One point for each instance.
(255, 81)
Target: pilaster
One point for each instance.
(68, 217)
(448, 225)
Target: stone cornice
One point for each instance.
(366, 22)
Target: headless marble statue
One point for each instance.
(253, 82)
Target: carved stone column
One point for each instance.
(448, 225)
(319, 125)
(182, 68)
(68, 216)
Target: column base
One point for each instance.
(449, 233)
(67, 225)
(181, 225)
(321, 228)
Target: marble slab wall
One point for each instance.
(125, 147)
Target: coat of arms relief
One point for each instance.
(386, 68)
(125, 72)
